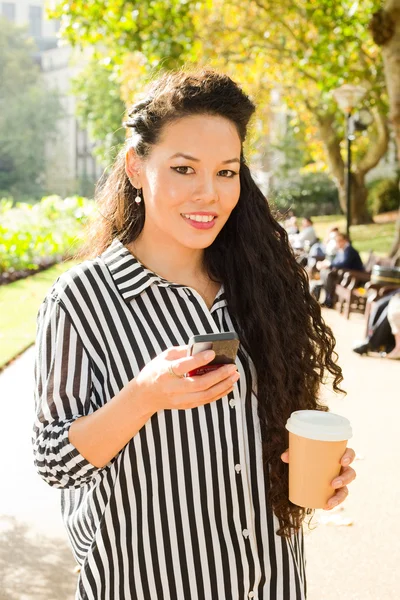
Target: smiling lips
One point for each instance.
(200, 220)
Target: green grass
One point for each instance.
(19, 304)
(377, 237)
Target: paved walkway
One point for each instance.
(356, 562)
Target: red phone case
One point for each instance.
(203, 370)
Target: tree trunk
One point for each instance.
(385, 28)
(337, 166)
(358, 200)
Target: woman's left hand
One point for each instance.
(340, 483)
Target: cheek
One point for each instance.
(164, 190)
(231, 196)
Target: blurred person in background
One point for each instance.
(306, 237)
(383, 328)
(346, 258)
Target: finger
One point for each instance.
(338, 498)
(285, 456)
(176, 352)
(347, 475)
(208, 380)
(189, 363)
(216, 392)
(348, 457)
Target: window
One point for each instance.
(35, 21)
(8, 11)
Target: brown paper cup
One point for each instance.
(317, 441)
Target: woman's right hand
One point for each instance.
(160, 389)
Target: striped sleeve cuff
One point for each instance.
(58, 461)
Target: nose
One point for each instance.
(206, 191)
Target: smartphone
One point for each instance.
(225, 346)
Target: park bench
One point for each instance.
(355, 291)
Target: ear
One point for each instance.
(132, 167)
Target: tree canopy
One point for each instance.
(302, 49)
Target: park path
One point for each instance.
(349, 562)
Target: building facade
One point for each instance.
(71, 166)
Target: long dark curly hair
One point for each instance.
(278, 321)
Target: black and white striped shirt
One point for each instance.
(180, 512)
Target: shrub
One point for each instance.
(383, 196)
(306, 194)
(36, 235)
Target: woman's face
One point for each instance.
(190, 180)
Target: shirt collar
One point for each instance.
(132, 278)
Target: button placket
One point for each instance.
(241, 468)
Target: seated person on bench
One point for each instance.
(347, 258)
(383, 328)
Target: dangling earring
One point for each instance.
(138, 198)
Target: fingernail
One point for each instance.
(346, 461)
(333, 503)
(209, 354)
(235, 377)
(337, 483)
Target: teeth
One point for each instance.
(199, 218)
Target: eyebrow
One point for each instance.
(188, 157)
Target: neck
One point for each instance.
(173, 263)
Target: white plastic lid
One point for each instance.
(318, 425)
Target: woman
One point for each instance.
(177, 487)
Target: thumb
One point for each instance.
(285, 456)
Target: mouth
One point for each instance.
(200, 220)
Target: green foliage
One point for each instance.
(383, 196)
(34, 235)
(100, 107)
(161, 31)
(308, 194)
(28, 112)
(304, 49)
(292, 146)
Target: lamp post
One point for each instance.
(347, 96)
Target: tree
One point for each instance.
(304, 49)
(100, 107)
(161, 31)
(28, 112)
(130, 41)
(385, 27)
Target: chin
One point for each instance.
(201, 242)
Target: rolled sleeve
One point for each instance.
(63, 388)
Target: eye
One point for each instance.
(227, 173)
(182, 170)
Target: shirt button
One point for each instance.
(238, 468)
(245, 533)
(232, 403)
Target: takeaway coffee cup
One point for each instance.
(317, 442)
